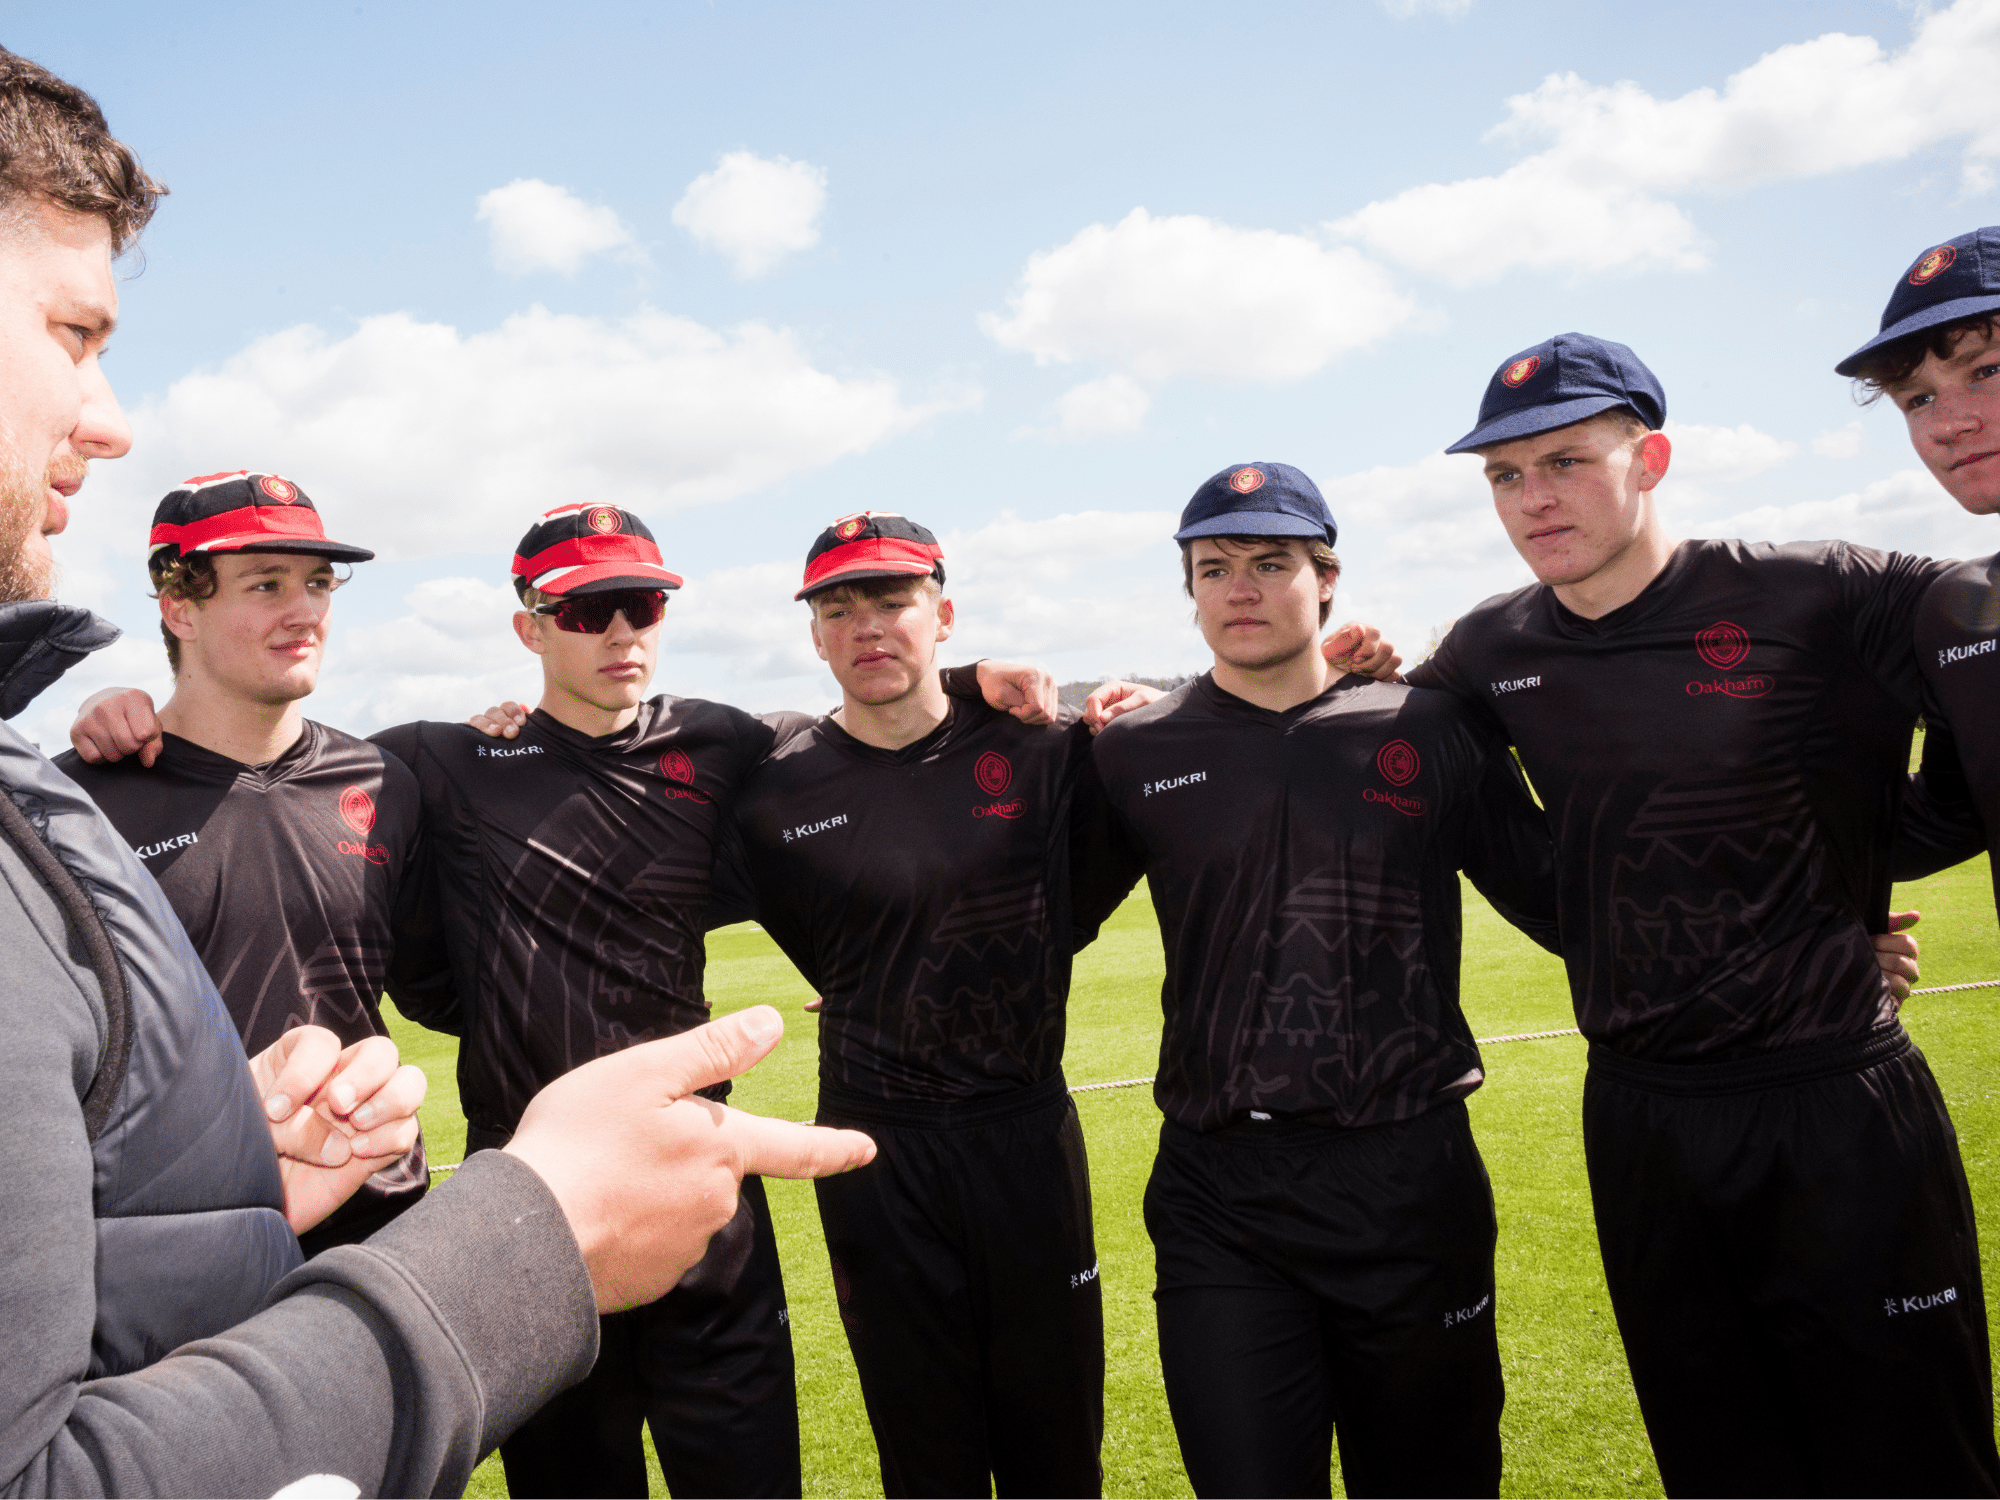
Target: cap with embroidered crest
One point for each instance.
(1954, 280)
(1259, 499)
(1563, 380)
(243, 511)
(870, 544)
(589, 549)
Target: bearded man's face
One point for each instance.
(58, 302)
(27, 567)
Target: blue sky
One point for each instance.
(1027, 274)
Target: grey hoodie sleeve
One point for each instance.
(397, 1363)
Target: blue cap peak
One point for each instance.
(1259, 499)
(1947, 282)
(1563, 380)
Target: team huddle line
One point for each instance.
(227, 1269)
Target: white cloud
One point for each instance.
(1725, 454)
(1404, 10)
(1905, 512)
(537, 226)
(1594, 198)
(1114, 406)
(423, 441)
(754, 210)
(1844, 441)
(454, 652)
(1156, 299)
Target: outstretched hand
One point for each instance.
(1360, 649)
(1110, 699)
(338, 1115)
(501, 722)
(1028, 693)
(646, 1170)
(1896, 953)
(115, 723)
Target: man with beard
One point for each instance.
(1720, 732)
(280, 842)
(1322, 1224)
(154, 1340)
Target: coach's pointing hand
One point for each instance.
(646, 1171)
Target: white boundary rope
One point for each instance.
(1484, 1041)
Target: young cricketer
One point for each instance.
(280, 842)
(1720, 731)
(911, 854)
(1322, 1224)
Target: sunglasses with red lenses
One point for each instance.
(591, 614)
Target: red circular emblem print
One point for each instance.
(1243, 481)
(357, 809)
(1398, 762)
(850, 528)
(1518, 372)
(1934, 264)
(993, 773)
(603, 519)
(1723, 645)
(281, 490)
(676, 766)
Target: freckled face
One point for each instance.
(1952, 408)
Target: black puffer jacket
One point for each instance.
(191, 1234)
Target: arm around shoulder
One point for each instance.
(1508, 855)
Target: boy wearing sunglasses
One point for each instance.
(281, 843)
(561, 913)
(564, 900)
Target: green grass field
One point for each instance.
(1571, 1428)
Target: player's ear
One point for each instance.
(818, 644)
(946, 617)
(178, 615)
(529, 628)
(1656, 451)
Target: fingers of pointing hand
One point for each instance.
(709, 1053)
(778, 1148)
(1903, 921)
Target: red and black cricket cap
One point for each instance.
(871, 544)
(589, 549)
(243, 511)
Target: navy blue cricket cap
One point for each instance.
(1560, 381)
(1259, 499)
(1947, 282)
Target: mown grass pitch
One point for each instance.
(1571, 1428)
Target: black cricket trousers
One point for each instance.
(708, 1368)
(1317, 1282)
(1791, 1254)
(965, 1265)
